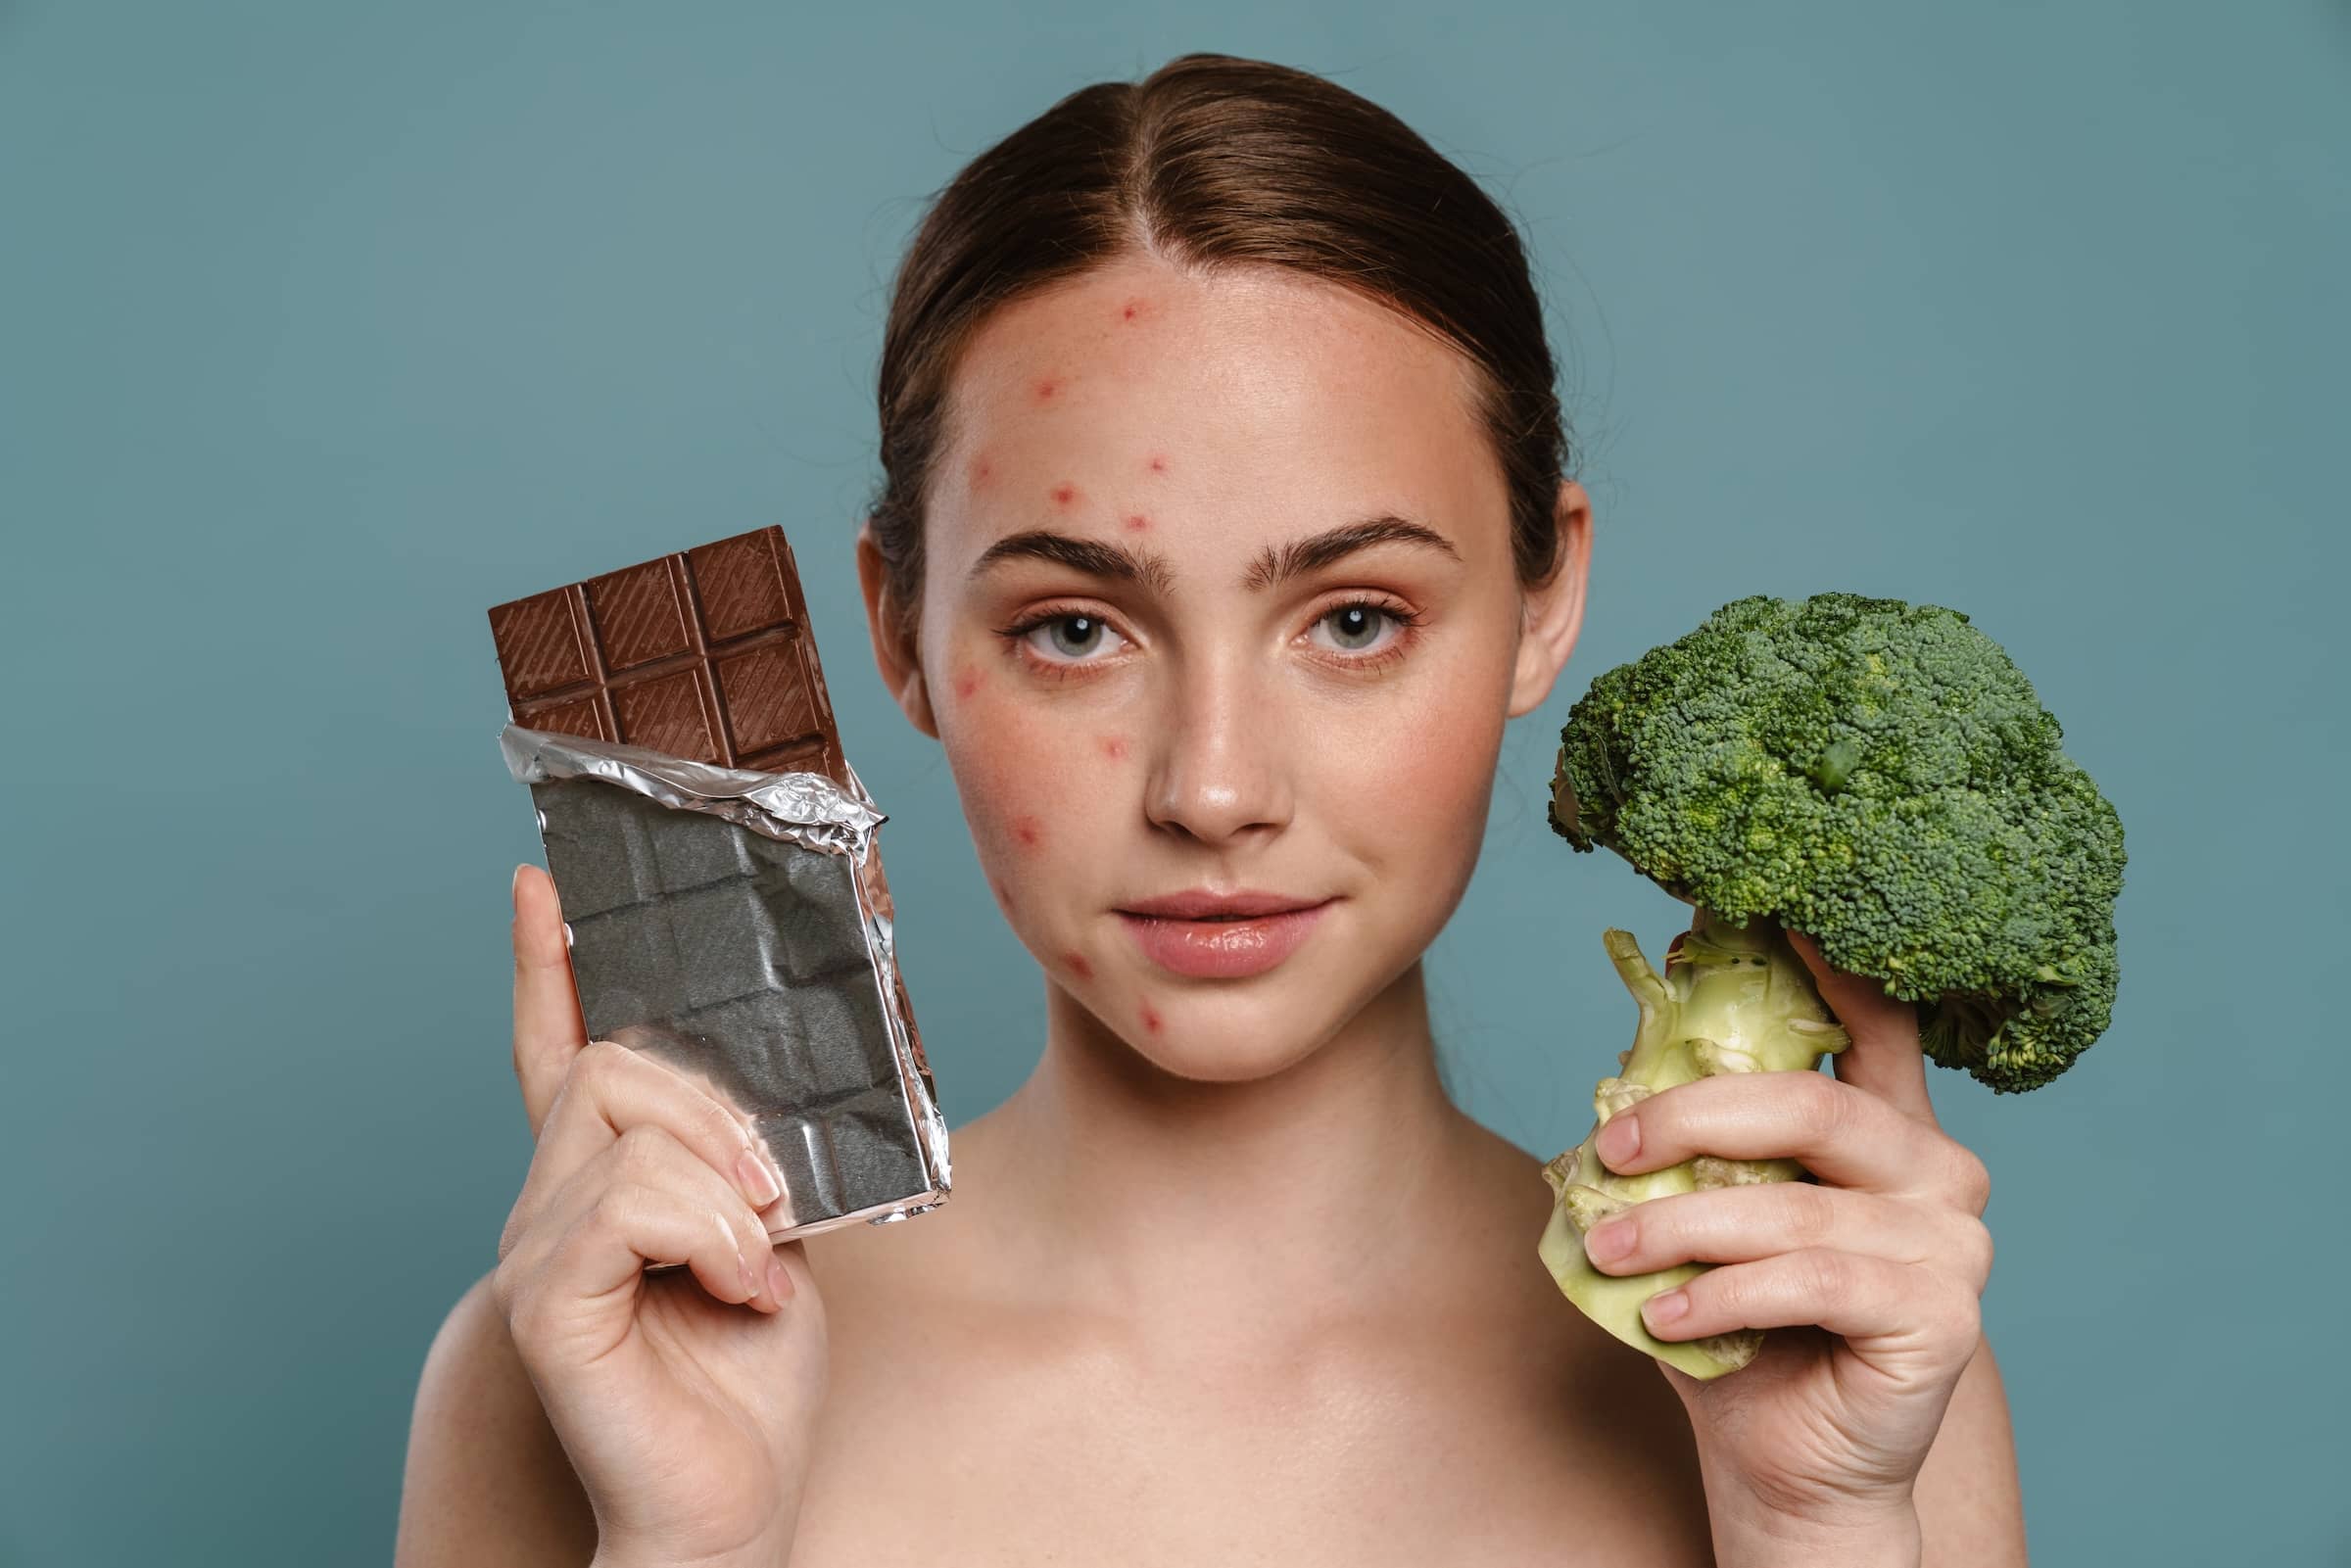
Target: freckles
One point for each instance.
(1064, 494)
(1026, 830)
(1077, 966)
(1114, 746)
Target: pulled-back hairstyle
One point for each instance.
(1211, 162)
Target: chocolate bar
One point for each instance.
(706, 654)
(714, 855)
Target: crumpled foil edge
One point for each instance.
(807, 809)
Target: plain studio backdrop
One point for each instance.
(323, 327)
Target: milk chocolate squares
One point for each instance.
(715, 858)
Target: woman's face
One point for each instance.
(1220, 606)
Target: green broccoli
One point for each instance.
(1878, 776)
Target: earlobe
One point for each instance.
(1554, 612)
(897, 656)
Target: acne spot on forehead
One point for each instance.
(1137, 523)
(982, 470)
(1046, 387)
(1077, 964)
(1135, 309)
(1026, 830)
(1114, 746)
(1064, 494)
(1158, 463)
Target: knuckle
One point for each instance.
(642, 1151)
(1825, 1276)
(1809, 1214)
(1975, 1249)
(599, 1062)
(1820, 1106)
(1971, 1178)
(619, 1204)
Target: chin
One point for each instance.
(1234, 1032)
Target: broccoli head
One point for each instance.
(1881, 776)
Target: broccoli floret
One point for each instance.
(1879, 775)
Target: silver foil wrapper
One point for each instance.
(735, 926)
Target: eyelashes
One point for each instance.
(1073, 634)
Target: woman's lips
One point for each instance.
(1221, 949)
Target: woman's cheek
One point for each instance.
(1028, 783)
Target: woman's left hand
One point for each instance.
(1824, 1432)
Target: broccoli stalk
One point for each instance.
(1878, 776)
(1731, 1000)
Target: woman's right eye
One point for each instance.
(1070, 638)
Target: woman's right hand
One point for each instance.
(685, 1400)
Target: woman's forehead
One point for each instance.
(1253, 392)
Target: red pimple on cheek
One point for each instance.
(1028, 833)
(967, 682)
(1063, 494)
(1150, 1019)
(1114, 746)
(1077, 966)
(1047, 388)
(1159, 465)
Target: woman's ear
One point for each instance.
(890, 623)
(1554, 612)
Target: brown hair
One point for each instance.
(1213, 160)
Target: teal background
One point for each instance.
(326, 326)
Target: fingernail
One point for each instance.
(1605, 1244)
(778, 1281)
(757, 1180)
(1619, 1140)
(1666, 1308)
(750, 1281)
(514, 887)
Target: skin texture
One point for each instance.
(1229, 1279)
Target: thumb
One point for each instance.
(1884, 1058)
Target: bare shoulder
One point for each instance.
(1608, 1426)
(486, 1475)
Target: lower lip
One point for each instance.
(1222, 949)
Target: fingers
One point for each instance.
(1745, 1224)
(648, 1159)
(645, 1200)
(1884, 1058)
(548, 1030)
(1840, 1133)
(1883, 1308)
(611, 1093)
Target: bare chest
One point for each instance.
(1014, 1448)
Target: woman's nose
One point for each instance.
(1221, 758)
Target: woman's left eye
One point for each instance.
(1358, 628)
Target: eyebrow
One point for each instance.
(1275, 564)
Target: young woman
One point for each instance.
(1224, 526)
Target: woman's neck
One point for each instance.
(1130, 1186)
